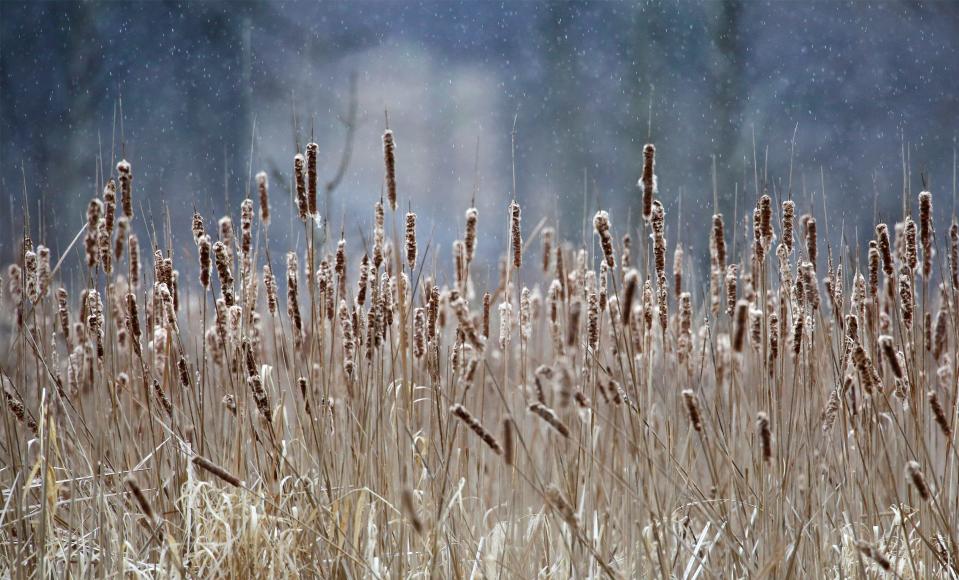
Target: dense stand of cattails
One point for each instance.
(641, 404)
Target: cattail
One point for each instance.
(647, 183)
(939, 414)
(678, 270)
(739, 333)
(19, 411)
(263, 188)
(460, 412)
(223, 270)
(658, 221)
(910, 252)
(419, 332)
(508, 450)
(259, 395)
(141, 499)
(349, 344)
(134, 256)
(954, 254)
(941, 337)
(158, 389)
(906, 297)
(692, 410)
(411, 240)
(311, 179)
(487, 304)
(214, 469)
(732, 271)
(873, 553)
(505, 323)
(925, 232)
(389, 157)
(789, 211)
(547, 236)
(865, 368)
(811, 247)
(765, 436)
(197, 227)
(592, 321)
(516, 235)
(810, 285)
(525, 317)
(469, 240)
(548, 415)
(206, 262)
(631, 283)
(572, 328)
(409, 506)
(765, 219)
(556, 500)
(246, 226)
(882, 235)
(299, 176)
(362, 281)
(601, 223)
(918, 480)
(292, 297)
(269, 281)
(889, 353)
(126, 180)
(828, 416)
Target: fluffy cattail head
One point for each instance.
(601, 223)
(299, 178)
(692, 410)
(469, 240)
(126, 194)
(263, 189)
(411, 240)
(918, 480)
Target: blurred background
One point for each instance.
(844, 89)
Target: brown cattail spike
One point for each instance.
(647, 183)
(389, 158)
(460, 412)
(516, 235)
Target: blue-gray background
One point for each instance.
(858, 79)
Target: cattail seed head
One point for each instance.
(765, 436)
(224, 271)
(460, 412)
(469, 240)
(789, 211)
(601, 223)
(206, 262)
(411, 240)
(311, 177)
(299, 177)
(925, 232)
(516, 236)
(692, 410)
(550, 417)
(811, 243)
(263, 189)
(739, 332)
(918, 480)
(547, 236)
(126, 194)
(939, 414)
(216, 470)
(389, 158)
(647, 183)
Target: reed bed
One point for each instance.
(773, 407)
